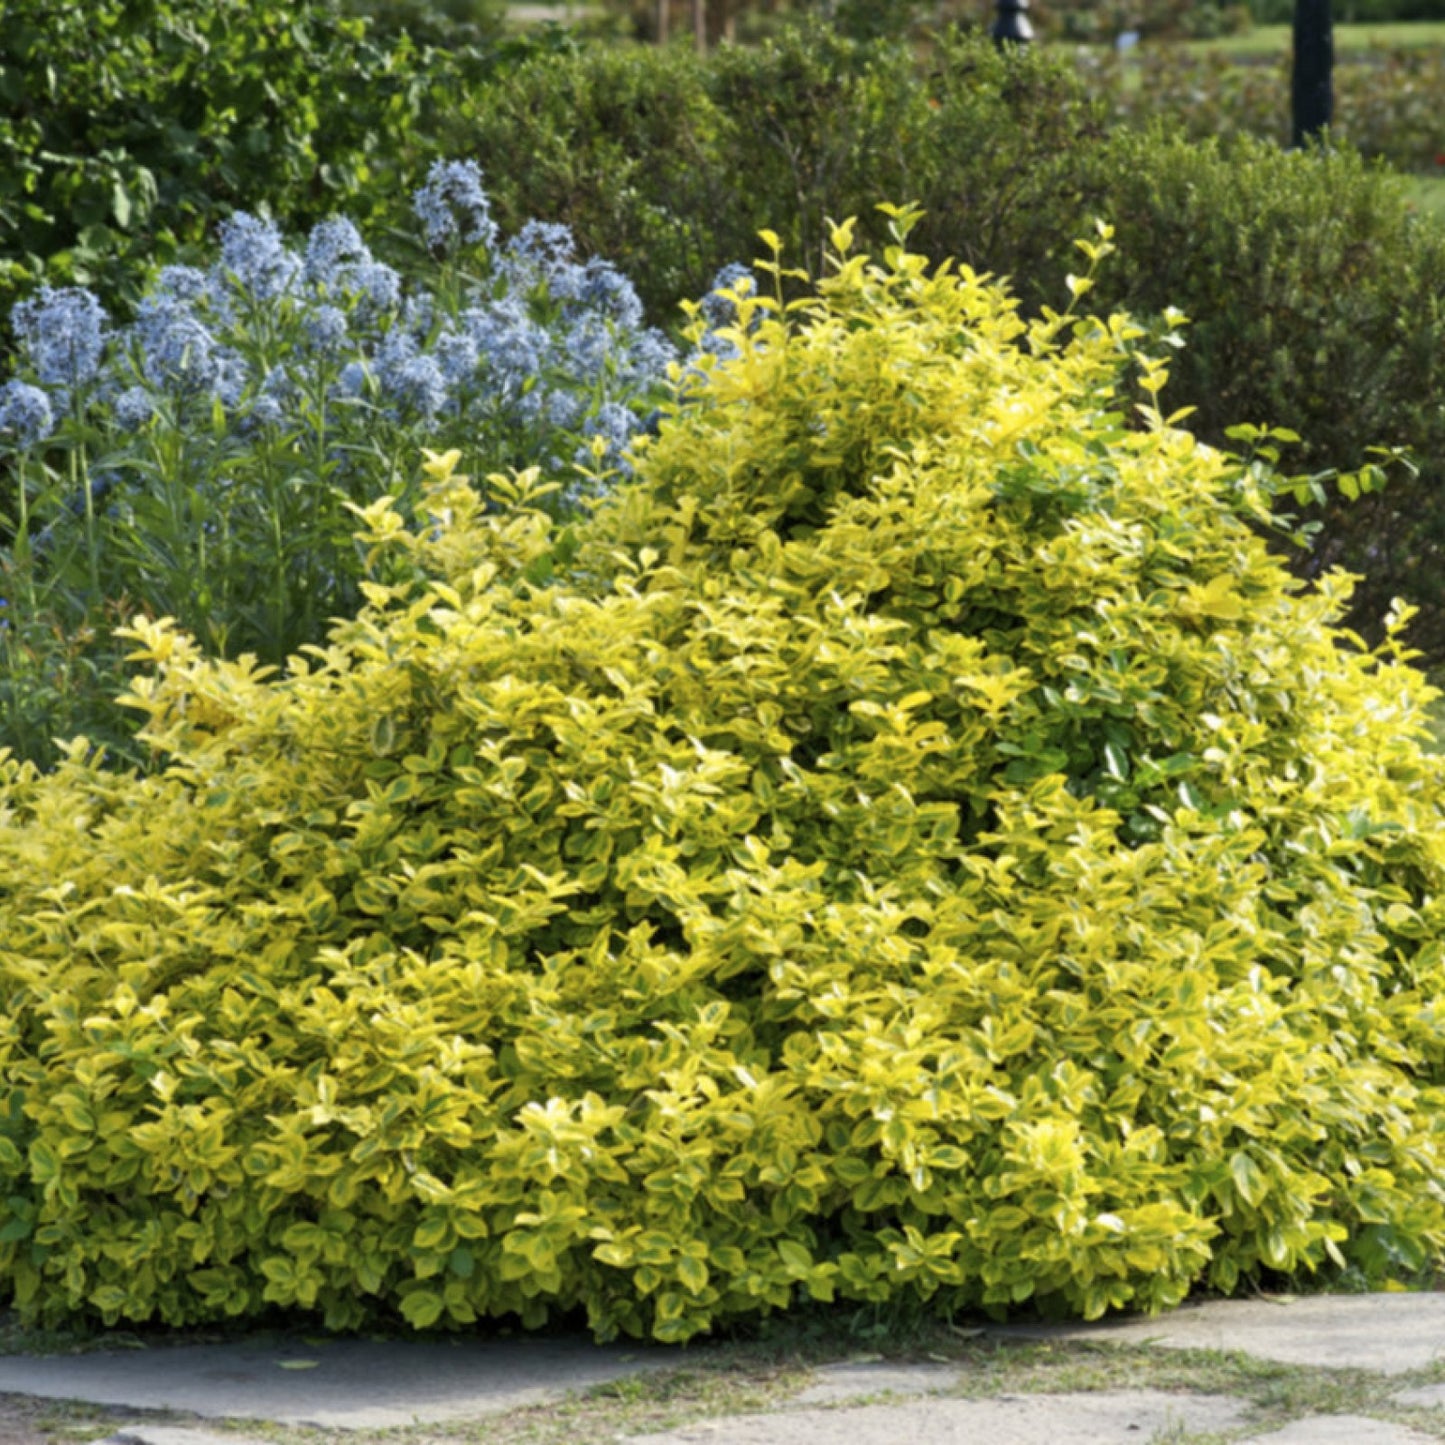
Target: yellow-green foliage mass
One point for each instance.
(915, 840)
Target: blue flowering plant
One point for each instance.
(204, 459)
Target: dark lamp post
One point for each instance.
(1012, 24)
(1311, 89)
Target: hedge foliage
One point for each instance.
(1316, 290)
(1353, 12)
(914, 842)
(1385, 101)
(670, 164)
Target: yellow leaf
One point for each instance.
(1217, 598)
(440, 465)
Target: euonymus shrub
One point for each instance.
(912, 841)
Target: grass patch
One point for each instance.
(543, 12)
(26, 1420)
(1350, 40)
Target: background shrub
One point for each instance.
(670, 164)
(1384, 100)
(1280, 12)
(1104, 20)
(1317, 291)
(438, 23)
(921, 845)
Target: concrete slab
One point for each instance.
(852, 1380)
(1388, 1333)
(341, 1383)
(176, 1435)
(1073, 1419)
(1342, 1430)
(1424, 1397)
(377, 1385)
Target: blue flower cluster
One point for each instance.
(255, 261)
(63, 333)
(453, 205)
(540, 344)
(205, 458)
(26, 418)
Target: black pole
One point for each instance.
(1312, 100)
(1012, 25)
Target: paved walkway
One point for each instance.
(360, 1386)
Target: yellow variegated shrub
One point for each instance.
(914, 841)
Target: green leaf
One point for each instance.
(431, 1232)
(422, 1308)
(693, 1273)
(383, 735)
(1249, 1180)
(795, 1256)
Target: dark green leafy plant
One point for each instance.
(128, 128)
(1385, 101)
(434, 23)
(1280, 12)
(1105, 20)
(671, 164)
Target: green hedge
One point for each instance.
(1281, 12)
(1386, 102)
(670, 165)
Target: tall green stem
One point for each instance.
(21, 547)
(80, 476)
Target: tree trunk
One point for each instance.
(664, 14)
